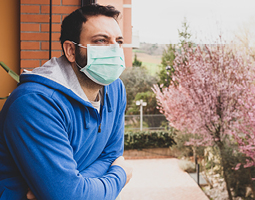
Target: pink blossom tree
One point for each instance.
(245, 131)
(204, 100)
(245, 127)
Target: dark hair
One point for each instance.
(72, 24)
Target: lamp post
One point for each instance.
(141, 104)
(167, 68)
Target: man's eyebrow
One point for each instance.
(120, 38)
(101, 35)
(106, 36)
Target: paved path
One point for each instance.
(160, 179)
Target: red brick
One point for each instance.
(40, 18)
(34, 18)
(35, 2)
(39, 2)
(30, 27)
(56, 53)
(34, 54)
(29, 9)
(34, 36)
(45, 45)
(56, 18)
(56, 2)
(45, 9)
(54, 46)
(29, 63)
(55, 36)
(55, 27)
(30, 45)
(71, 2)
(45, 27)
(59, 9)
(63, 17)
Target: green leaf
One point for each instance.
(10, 72)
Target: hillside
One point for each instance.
(150, 55)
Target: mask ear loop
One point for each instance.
(79, 46)
(78, 65)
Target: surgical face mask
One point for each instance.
(104, 63)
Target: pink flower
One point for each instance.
(238, 166)
(215, 97)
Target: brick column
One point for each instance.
(35, 29)
(127, 31)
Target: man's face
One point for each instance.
(98, 30)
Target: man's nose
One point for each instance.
(112, 41)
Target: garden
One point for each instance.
(207, 95)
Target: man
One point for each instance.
(61, 130)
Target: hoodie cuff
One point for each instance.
(120, 175)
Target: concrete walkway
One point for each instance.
(160, 179)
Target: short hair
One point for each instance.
(72, 24)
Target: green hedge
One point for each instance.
(146, 139)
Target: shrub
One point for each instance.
(146, 139)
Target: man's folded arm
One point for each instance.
(42, 152)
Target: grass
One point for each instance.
(151, 67)
(150, 62)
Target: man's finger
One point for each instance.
(30, 195)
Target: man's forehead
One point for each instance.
(96, 25)
(100, 21)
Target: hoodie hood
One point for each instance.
(60, 71)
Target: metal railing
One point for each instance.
(150, 122)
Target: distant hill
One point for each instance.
(151, 49)
(150, 55)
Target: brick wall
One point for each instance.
(34, 21)
(34, 25)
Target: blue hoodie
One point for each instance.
(53, 141)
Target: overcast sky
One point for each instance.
(158, 21)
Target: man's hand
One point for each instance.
(30, 195)
(120, 161)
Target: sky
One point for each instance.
(158, 21)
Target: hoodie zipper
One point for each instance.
(99, 128)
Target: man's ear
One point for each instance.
(69, 49)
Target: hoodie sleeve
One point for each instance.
(38, 142)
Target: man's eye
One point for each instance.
(120, 42)
(100, 41)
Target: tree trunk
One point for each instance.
(252, 187)
(224, 168)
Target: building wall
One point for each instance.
(9, 45)
(127, 31)
(34, 22)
